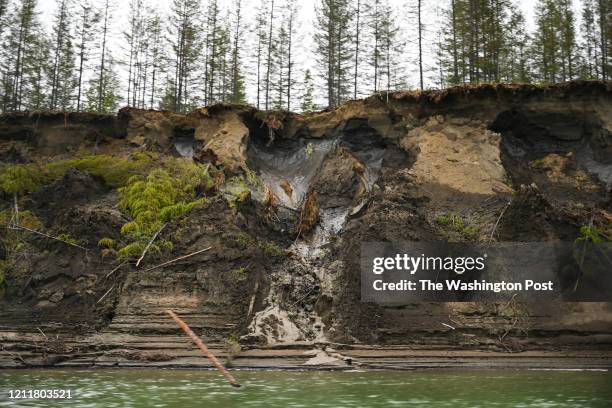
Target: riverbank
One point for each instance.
(126, 351)
(249, 225)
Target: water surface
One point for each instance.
(435, 388)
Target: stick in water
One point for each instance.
(204, 349)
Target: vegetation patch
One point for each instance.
(10, 239)
(19, 179)
(593, 234)
(246, 240)
(236, 191)
(160, 197)
(454, 222)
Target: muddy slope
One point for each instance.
(283, 269)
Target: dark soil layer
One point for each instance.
(294, 197)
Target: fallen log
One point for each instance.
(204, 349)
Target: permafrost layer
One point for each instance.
(380, 169)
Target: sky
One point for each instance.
(304, 54)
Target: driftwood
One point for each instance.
(204, 349)
(177, 259)
(149, 245)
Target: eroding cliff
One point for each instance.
(287, 202)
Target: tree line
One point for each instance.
(202, 52)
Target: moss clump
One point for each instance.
(252, 178)
(69, 239)
(236, 191)
(592, 234)
(246, 240)
(10, 237)
(114, 170)
(240, 274)
(108, 243)
(160, 197)
(309, 149)
(455, 223)
(21, 178)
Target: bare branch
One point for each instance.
(177, 259)
(149, 245)
(19, 227)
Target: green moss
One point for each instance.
(309, 149)
(21, 178)
(443, 219)
(106, 243)
(153, 190)
(11, 240)
(26, 219)
(455, 223)
(160, 197)
(241, 273)
(114, 170)
(252, 178)
(233, 350)
(68, 238)
(236, 191)
(246, 240)
(133, 250)
(592, 234)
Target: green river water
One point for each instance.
(427, 388)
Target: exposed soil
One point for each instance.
(282, 276)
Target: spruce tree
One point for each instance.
(155, 36)
(334, 48)
(62, 73)
(185, 45)
(262, 39)
(269, 52)
(19, 55)
(87, 20)
(307, 104)
(554, 41)
(102, 95)
(590, 44)
(237, 81)
(358, 38)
